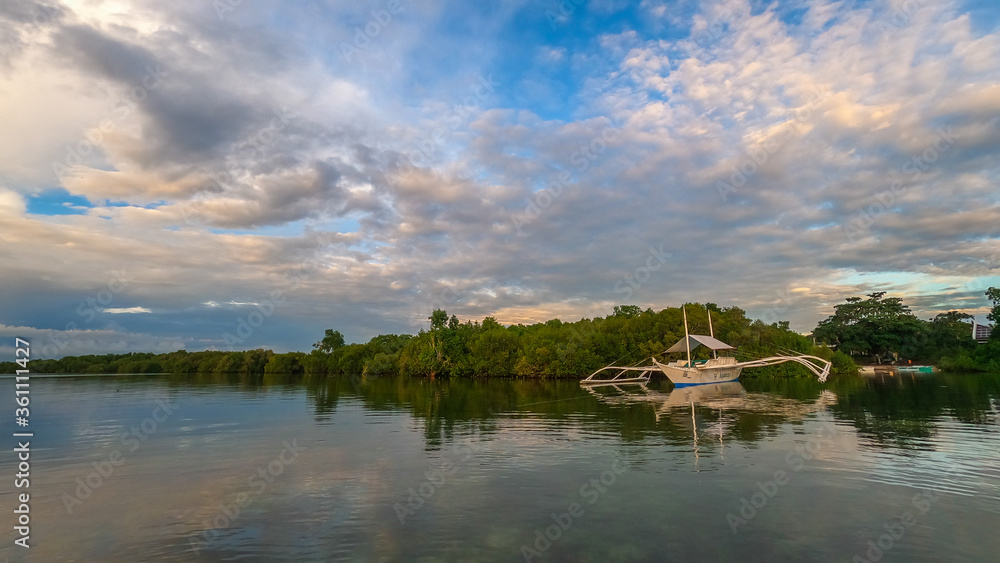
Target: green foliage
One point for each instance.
(250, 362)
(878, 327)
(962, 361)
(438, 319)
(135, 362)
(947, 334)
(884, 329)
(627, 311)
(331, 341)
(557, 349)
(493, 352)
(984, 357)
(291, 364)
(993, 294)
(843, 364)
(987, 355)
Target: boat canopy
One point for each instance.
(700, 340)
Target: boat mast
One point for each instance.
(715, 354)
(687, 339)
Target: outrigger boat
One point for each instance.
(683, 373)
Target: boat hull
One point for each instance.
(682, 376)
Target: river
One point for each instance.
(280, 468)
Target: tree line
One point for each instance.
(875, 329)
(882, 329)
(449, 347)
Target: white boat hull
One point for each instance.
(711, 372)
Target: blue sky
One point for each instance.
(171, 174)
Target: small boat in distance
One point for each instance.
(683, 373)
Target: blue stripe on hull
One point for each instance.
(705, 383)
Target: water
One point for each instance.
(215, 468)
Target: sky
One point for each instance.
(234, 174)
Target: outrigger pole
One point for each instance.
(711, 332)
(687, 339)
(643, 377)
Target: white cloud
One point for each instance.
(221, 204)
(125, 310)
(11, 202)
(48, 344)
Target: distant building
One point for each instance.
(981, 332)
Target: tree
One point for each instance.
(948, 333)
(438, 319)
(878, 326)
(994, 294)
(987, 356)
(331, 341)
(467, 349)
(254, 361)
(490, 323)
(494, 352)
(439, 322)
(284, 364)
(627, 311)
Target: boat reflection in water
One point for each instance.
(729, 395)
(679, 405)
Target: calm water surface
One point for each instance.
(210, 468)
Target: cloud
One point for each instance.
(125, 310)
(783, 160)
(11, 202)
(48, 344)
